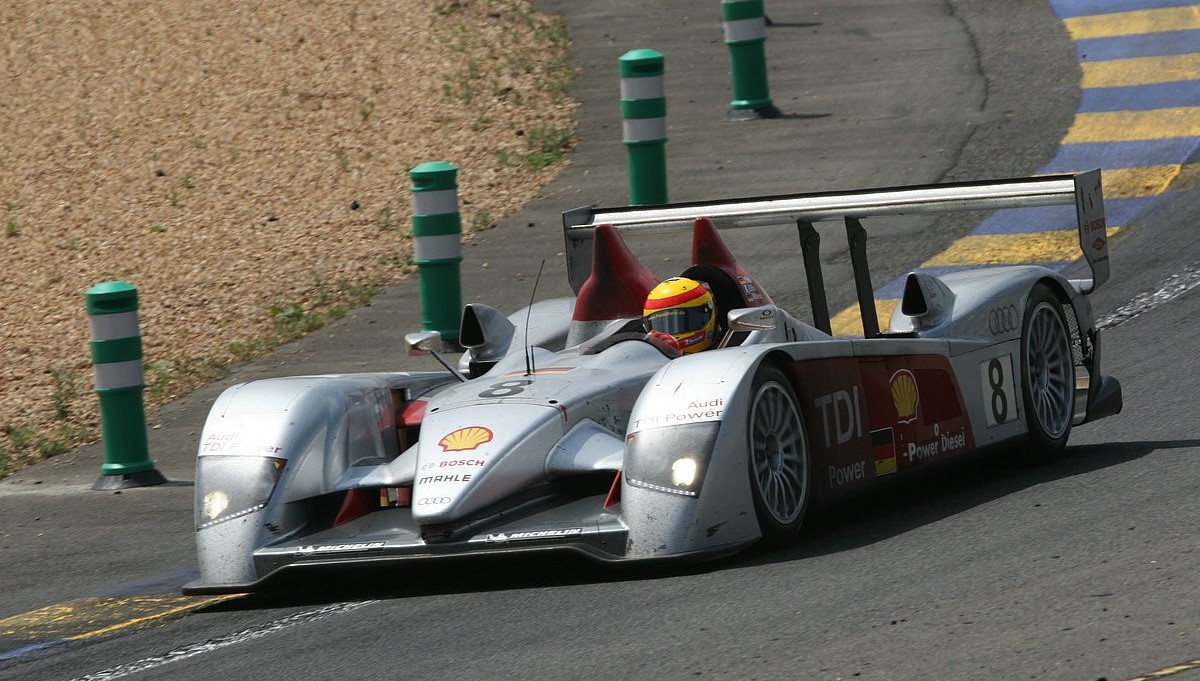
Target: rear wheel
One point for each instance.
(1048, 369)
(780, 479)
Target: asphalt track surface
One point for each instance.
(1082, 569)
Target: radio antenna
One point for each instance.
(528, 314)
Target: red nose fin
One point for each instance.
(618, 285)
(709, 250)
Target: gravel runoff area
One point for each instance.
(246, 169)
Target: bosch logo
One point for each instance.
(433, 501)
(1003, 320)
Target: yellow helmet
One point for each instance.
(684, 309)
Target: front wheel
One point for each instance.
(780, 479)
(1048, 370)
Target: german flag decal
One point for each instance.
(883, 444)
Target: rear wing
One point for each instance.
(1082, 189)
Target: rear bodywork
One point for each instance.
(591, 440)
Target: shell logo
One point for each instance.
(465, 439)
(905, 395)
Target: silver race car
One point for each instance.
(565, 427)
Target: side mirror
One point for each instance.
(423, 343)
(763, 318)
(429, 343)
(753, 318)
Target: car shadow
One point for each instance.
(451, 576)
(943, 491)
(923, 498)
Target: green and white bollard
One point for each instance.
(644, 125)
(117, 363)
(745, 27)
(437, 247)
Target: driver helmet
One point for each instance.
(684, 309)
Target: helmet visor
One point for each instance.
(679, 320)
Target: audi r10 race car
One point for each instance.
(564, 427)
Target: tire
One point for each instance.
(779, 460)
(1048, 375)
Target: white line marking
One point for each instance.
(219, 642)
(1173, 287)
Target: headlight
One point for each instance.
(229, 487)
(671, 460)
(683, 472)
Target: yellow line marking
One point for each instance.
(1139, 181)
(194, 604)
(848, 322)
(91, 617)
(1133, 23)
(1168, 671)
(1132, 126)
(1140, 71)
(1129, 183)
(1012, 249)
(1009, 249)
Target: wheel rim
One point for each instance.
(778, 452)
(1050, 371)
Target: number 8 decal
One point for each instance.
(505, 388)
(999, 399)
(996, 381)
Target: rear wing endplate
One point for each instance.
(1083, 189)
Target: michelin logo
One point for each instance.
(501, 537)
(338, 548)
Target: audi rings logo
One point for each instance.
(1003, 319)
(433, 501)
